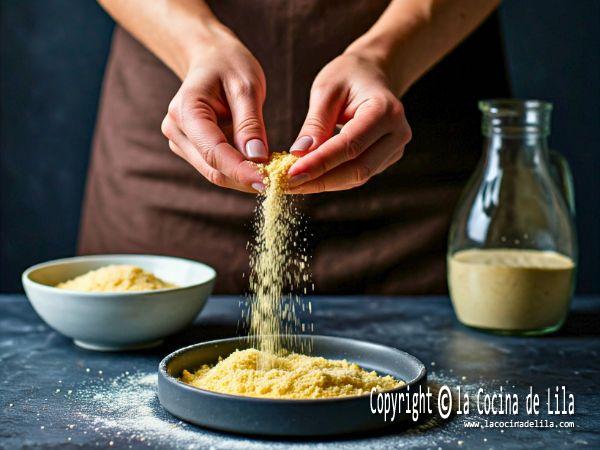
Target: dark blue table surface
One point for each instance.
(54, 394)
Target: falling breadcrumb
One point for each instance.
(278, 265)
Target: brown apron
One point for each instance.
(387, 237)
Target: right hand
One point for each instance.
(224, 83)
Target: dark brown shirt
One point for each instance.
(387, 237)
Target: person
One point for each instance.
(223, 83)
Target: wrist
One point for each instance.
(381, 50)
(209, 38)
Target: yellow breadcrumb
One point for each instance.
(115, 278)
(278, 264)
(275, 171)
(293, 376)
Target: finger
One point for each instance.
(371, 121)
(245, 102)
(226, 127)
(212, 175)
(187, 150)
(198, 124)
(182, 147)
(326, 103)
(357, 172)
(404, 134)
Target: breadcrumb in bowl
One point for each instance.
(293, 376)
(280, 416)
(112, 314)
(116, 278)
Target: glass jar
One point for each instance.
(512, 246)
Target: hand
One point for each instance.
(224, 83)
(353, 91)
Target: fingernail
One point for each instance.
(302, 144)
(255, 149)
(258, 187)
(297, 180)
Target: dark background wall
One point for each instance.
(52, 58)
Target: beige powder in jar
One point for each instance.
(510, 289)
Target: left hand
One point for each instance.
(355, 92)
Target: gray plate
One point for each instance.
(279, 417)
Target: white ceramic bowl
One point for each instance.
(119, 320)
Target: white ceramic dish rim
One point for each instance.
(25, 277)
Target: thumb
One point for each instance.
(249, 135)
(323, 112)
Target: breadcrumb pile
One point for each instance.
(116, 278)
(292, 376)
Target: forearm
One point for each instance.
(412, 35)
(174, 30)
